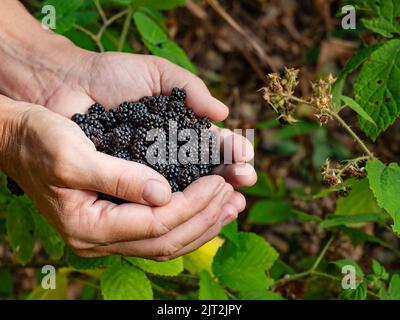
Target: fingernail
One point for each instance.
(156, 192)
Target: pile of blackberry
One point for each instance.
(121, 132)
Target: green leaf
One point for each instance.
(149, 29)
(386, 21)
(50, 239)
(357, 236)
(306, 217)
(359, 293)
(6, 283)
(66, 13)
(354, 62)
(339, 220)
(59, 293)
(173, 52)
(357, 108)
(269, 212)
(259, 295)
(242, 265)
(376, 88)
(20, 230)
(157, 4)
(122, 282)
(167, 268)
(209, 289)
(360, 200)
(80, 263)
(394, 288)
(263, 188)
(379, 270)
(348, 262)
(384, 182)
(230, 231)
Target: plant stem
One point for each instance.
(311, 271)
(125, 29)
(100, 10)
(352, 133)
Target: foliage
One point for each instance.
(243, 265)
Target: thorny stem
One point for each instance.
(351, 132)
(335, 115)
(350, 163)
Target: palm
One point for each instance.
(111, 78)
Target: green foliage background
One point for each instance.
(245, 265)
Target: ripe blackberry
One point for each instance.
(121, 132)
(96, 108)
(123, 154)
(122, 135)
(79, 118)
(14, 188)
(138, 150)
(178, 94)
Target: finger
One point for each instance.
(233, 146)
(179, 237)
(238, 201)
(123, 179)
(198, 97)
(230, 215)
(238, 174)
(103, 222)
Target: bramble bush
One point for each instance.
(241, 265)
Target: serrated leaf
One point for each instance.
(50, 239)
(20, 230)
(173, 52)
(386, 21)
(149, 29)
(80, 263)
(360, 200)
(357, 108)
(384, 182)
(209, 289)
(269, 212)
(354, 62)
(376, 88)
(122, 282)
(242, 265)
(167, 268)
(230, 231)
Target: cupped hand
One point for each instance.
(59, 168)
(111, 78)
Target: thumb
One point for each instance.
(126, 180)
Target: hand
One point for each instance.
(111, 78)
(59, 168)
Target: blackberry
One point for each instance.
(123, 154)
(14, 188)
(121, 132)
(178, 94)
(79, 118)
(96, 108)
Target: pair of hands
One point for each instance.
(60, 169)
